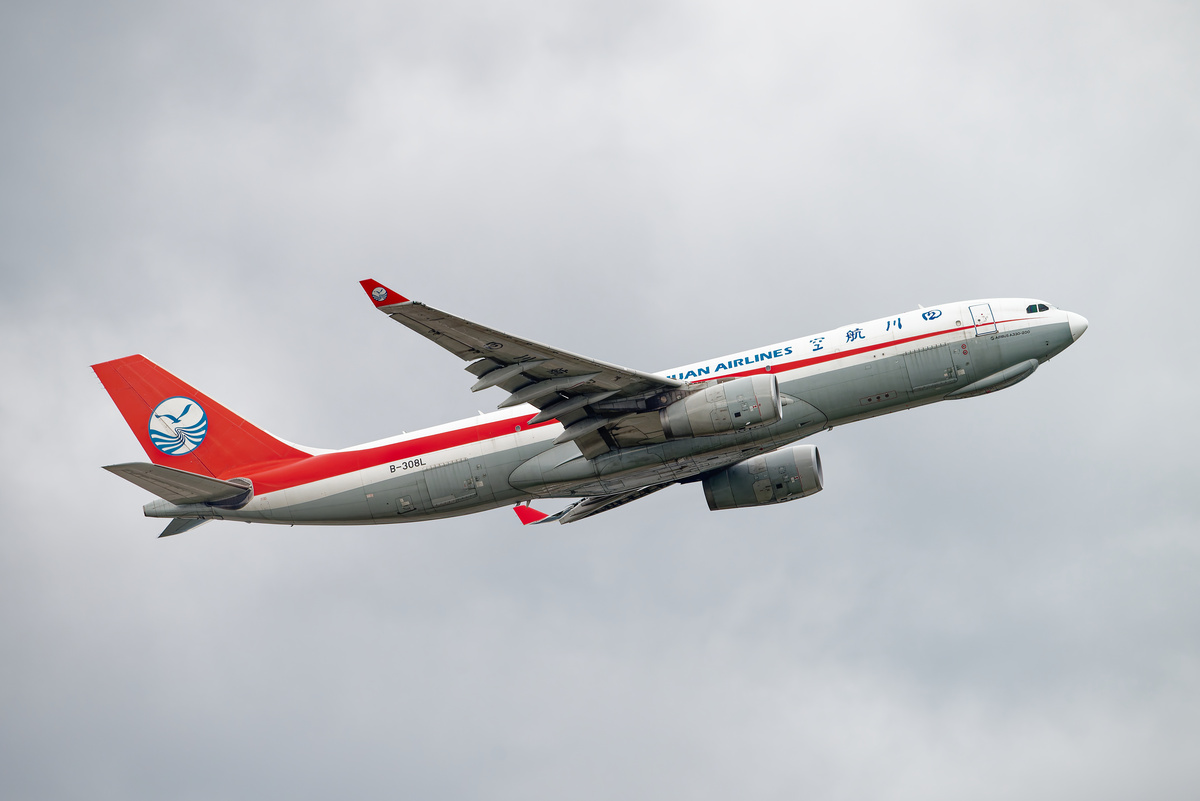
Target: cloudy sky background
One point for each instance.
(991, 599)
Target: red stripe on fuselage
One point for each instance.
(338, 463)
(329, 465)
(841, 354)
(828, 357)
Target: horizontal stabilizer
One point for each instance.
(177, 486)
(180, 525)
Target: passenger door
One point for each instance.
(985, 323)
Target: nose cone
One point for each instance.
(1078, 325)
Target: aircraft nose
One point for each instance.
(1078, 325)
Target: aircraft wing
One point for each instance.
(589, 397)
(587, 507)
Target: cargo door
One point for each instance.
(451, 483)
(985, 323)
(931, 367)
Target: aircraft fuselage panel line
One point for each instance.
(599, 433)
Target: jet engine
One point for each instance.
(782, 475)
(746, 402)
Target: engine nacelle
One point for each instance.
(782, 475)
(746, 402)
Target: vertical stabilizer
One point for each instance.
(180, 427)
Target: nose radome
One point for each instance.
(1078, 325)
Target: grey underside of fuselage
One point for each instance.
(819, 401)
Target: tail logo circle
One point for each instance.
(178, 426)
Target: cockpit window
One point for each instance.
(1034, 308)
(1043, 307)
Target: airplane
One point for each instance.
(575, 427)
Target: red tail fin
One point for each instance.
(181, 427)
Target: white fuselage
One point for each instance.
(830, 378)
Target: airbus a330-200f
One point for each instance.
(575, 427)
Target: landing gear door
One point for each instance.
(985, 323)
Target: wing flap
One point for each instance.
(546, 377)
(177, 486)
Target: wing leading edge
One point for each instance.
(589, 397)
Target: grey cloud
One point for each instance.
(991, 598)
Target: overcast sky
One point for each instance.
(992, 599)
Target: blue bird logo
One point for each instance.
(178, 426)
(172, 417)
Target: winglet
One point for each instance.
(380, 295)
(528, 514)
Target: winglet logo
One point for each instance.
(178, 426)
(379, 293)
